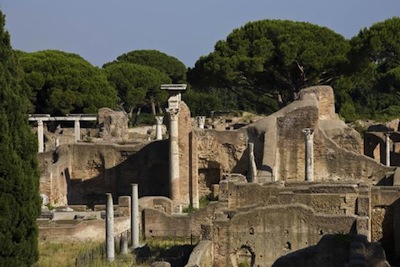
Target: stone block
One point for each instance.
(396, 177)
(363, 206)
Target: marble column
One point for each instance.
(40, 136)
(387, 143)
(174, 155)
(110, 250)
(135, 216)
(159, 120)
(309, 154)
(201, 120)
(252, 164)
(77, 130)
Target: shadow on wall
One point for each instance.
(390, 240)
(148, 168)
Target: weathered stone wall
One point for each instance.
(336, 146)
(80, 231)
(54, 173)
(323, 198)
(160, 224)
(82, 173)
(272, 231)
(219, 153)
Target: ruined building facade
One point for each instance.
(282, 184)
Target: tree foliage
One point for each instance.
(137, 85)
(169, 65)
(19, 179)
(63, 83)
(267, 62)
(373, 82)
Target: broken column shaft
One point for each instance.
(135, 216)
(40, 136)
(387, 144)
(309, 154)
(159, 121)
(110, 251)
(201, 120)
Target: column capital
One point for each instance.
(173, 114)
(308, 131)
(201, 120)
(40, 122)
(159, 119)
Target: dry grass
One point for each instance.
(53, 253)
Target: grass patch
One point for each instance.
(53, 253)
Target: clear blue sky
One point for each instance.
(101, 30)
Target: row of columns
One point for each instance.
(159, 123)
(110, 245)
(41, 118)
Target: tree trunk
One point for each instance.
(137, 115)
(153, 106)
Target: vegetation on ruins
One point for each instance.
(138, 86)
(262, 65)
(62, 83)
(19, 177)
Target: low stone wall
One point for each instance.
(163, 204)
(323, 198)
(201, 255)
(80, 231)
(158, 224)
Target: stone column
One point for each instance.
(387, 143)
(309, 154)
(77, 130)
(123, 243)
(201, 120)
(159, 120)
(252, 164)
(40, 136)
(57, 142)
(174, 100)
(110, 251)
(174, 155)
(135, 216)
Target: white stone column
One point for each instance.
(159, 120)
(252, 164)
(77, 130)
(40, 136)
(57, 142)
(387, 143)
(174, 100)
(135, 217)
(110, 250)
(309, 154)
(174, 155)
(201, 120)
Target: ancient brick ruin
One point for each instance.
(287, 187)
